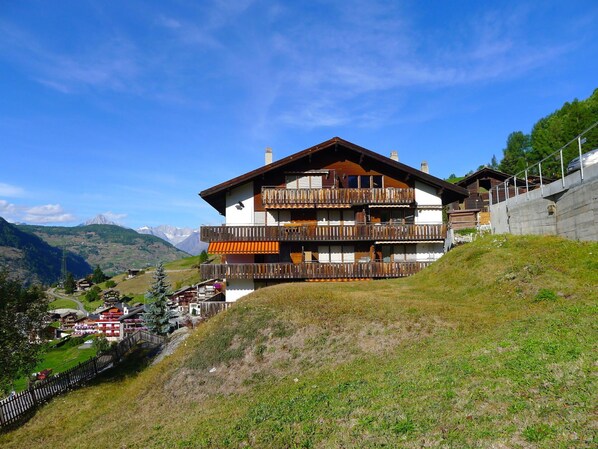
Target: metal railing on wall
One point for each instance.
(533, 177)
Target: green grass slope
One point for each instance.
(492, 346)
(115, 249)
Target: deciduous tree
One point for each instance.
(22, 314)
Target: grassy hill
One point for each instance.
(179, 273)
(492, 346)
(113, 248)
(31, 259)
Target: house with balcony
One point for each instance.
(335, 211)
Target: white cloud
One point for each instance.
(10, 190)
(49, 213)
(8, 211)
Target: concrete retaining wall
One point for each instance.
(570, 211)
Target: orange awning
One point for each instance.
(244, 248)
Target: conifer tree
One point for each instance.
(157, 313)
(69, 284)
(98, 275)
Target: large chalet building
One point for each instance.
(335, 211)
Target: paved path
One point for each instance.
(52, 292)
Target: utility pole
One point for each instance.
(63, 267)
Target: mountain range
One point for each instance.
(185, 239)
(114, 248)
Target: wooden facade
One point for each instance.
(334, 211)
(332, 233)
(324, 197)
(368, 270)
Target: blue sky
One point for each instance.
(131, 108)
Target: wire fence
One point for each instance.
(548, 170)
(16, 409)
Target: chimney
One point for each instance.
(425, 167)
(268, 155)
(394, 155)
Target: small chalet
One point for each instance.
(68, 319)
(132, 272)
(82, 285)
(334, 211)
(132, 321)
(110, 297)
(85, 326)
(182, 297)
(474, 210)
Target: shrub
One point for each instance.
(545, 295)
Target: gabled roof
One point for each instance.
(483, 173)
(215, 195)
(489, 173)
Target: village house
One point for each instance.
(86, 325)
(132, 272)
(110, 297)
(82, 285)
(483, 188)
(335, 211)
(131, 321)
(108, 321)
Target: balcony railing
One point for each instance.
(314, 233)
(280, 198)
(313, 270)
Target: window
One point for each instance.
(364, 181)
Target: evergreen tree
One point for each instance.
(22, 313)
(515, 154)
(203, 256)
(98, 275)
(157, 313)
(69, 284)
(493, 163)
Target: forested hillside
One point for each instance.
(113, 248)
(548, 135)
(32, 260)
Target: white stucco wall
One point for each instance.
(429, 204)
(429, 251)
(235, 214)
(237, 288)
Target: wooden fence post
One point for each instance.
(33, 398)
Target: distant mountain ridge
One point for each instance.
(114, 248)
(33, 260)
(101, 220)
(185, 239)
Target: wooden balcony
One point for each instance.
(313, 270)
(329, 233)
(283, 198)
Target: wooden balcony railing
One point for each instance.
(273, 197)
(304, 233)
(313, 270)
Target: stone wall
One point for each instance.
(570, 211)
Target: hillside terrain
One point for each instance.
(179, 273)
(115, 249)
(494, 346)
(32, 260)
